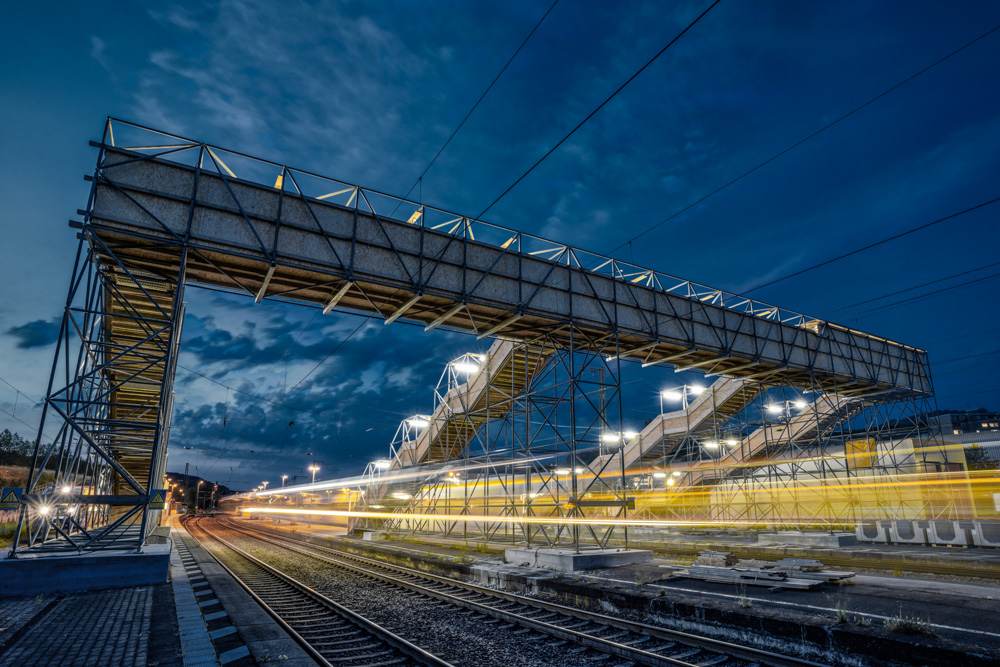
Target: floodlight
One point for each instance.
(673, 395)
(675, 474)
(774, 408)
(710, 444)
(670, 482)
(67, 489)
(383, 464)
(659, 475)
(466, 367)
(418, 422)
(562, 471)
(732, 443)
(800, 404)
(696, 390)
(44, 509)
(610, 437)
(629, 434)
(401, 496)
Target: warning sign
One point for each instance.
(10, 497)
(158, 499)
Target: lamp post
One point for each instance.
(313, 469)
(283, 478)
(265, 484)
(197, 495)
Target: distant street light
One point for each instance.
(283, 478)
(313, 469)
(265, 484)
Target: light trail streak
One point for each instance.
(485, 518)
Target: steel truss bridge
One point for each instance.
(165, 212)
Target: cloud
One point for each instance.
(38, 333)
(98, 51)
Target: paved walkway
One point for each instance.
(108, 627)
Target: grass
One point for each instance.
(841, 614)
(7, 531)
(909, 625)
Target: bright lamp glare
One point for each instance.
(418, 422)
(562, 471)
(732, 443)
(383, 464)
(610, 437)
(67, 489)
(673, 395)
(800, 404)
(774, 408)
(466, 367)
(659, 475)
(670, 482)
(401, 496)
(44, 509)
(675, 474)
(629, 434)
(710, 444)
(696, 390)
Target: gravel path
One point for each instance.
(449, 632)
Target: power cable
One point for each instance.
(598, 108)
(920, 297)
(970, 356)
(805, 139)
(873, 245)
(474, 106)
(909, 289)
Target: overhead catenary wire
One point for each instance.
(910, 289)
(873, 245)
(476, 105)
(921, 297)
(598, 108)
(805, 139)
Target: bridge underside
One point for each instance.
(170, 212)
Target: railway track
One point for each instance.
(328, 631)
(579, 630)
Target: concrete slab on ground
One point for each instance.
(570, 560)
(34, 573)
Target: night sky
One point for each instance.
(368, 93)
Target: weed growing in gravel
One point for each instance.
(862, 621)
(481, 548)
(909, 625)
(841, 614)
(745, 601)
(39, 599)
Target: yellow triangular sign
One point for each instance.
(11, 497)
(157, 499)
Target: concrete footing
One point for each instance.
(32, 574)
(568, 560)
(808, 539)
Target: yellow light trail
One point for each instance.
(486, 518)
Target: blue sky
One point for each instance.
(368, 92)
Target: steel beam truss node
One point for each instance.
(166, 211)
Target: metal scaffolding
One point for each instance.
(166, 211)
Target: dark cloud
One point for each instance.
(38, 333)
